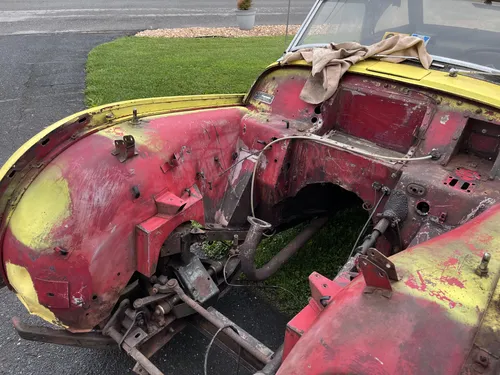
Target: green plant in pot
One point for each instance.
(245, 14)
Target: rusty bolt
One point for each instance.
(135, 118)
(482, 269)
(479, 111)
(482, 360)
(172, 283)
(436, 155)
(154, 290)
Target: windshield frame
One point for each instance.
(294, 46)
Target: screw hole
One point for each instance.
(314, 120)
(83, 119)
(325, 286)
(118, 274)
(45, 141)
(94, 297)
(50, 294)
(423, 208)
(317, 110)
(137, 335)
(11, 174)
(381, 275)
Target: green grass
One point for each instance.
(130, 68)
(325, 253)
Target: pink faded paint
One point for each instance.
(452, 281)
(412, 283)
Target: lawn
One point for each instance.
(133, 67)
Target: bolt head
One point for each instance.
(172, 283)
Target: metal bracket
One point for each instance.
(197, 281)
(125, 149)
(378, 271)
(135, 337)
(383, 262)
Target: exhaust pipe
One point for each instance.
(253, 238)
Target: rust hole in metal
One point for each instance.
(317, 110)
(181, 208)
(83, 119)
(11, 174)
(50, 294)
(423, 208)
(45, 141)
(118, 274)
(314, 120)
(94, 297)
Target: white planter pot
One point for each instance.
(246, 19)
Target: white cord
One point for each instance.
(325, 142)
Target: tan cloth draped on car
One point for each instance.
(330, 63)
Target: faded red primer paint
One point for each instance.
(450, 262)
(412, 283)
(440, 295)
(452, 281)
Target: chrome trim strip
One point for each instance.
(465, 64)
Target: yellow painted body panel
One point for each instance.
(443, 270)
(46, 203)
(463, 86)
(20, 280)
(405, 71)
